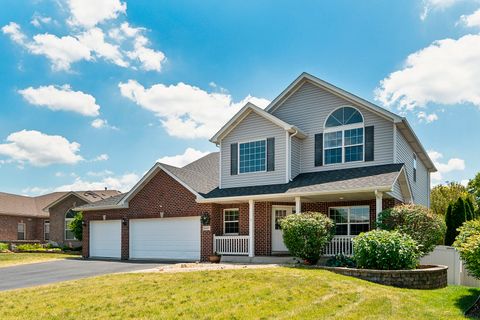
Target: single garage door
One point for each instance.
(167, 238)
(105, 239)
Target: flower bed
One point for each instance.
(424, 277)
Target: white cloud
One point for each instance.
(102, 157)
(35, 191)
(122, 183)
(446, 72)
(471, 20)
(102, 124)
(181, 160)
(186, 111)
(15, 33)
(94, 39)
(88, 13)
(428, 118)
(99, 173)
(62, 98)
(429, 5)
(453, 164)
(39, 149)
(38, 20)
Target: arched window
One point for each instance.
(68, 219)
(343, 138)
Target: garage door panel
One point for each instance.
(105, 239)
(167, 238)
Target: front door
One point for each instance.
(278, 213)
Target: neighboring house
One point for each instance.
(43, 218)
(314, 148)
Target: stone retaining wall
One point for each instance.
(426, 277)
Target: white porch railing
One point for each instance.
(231, 245)
(340, 244)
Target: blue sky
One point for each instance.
(93, 95)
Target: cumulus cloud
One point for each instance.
(446, 72)
(62, 98)
(39, 149)
(471, 20)
(94, 39)
(429, 5)
(428, 118)
(102, 157)
(453, 164)
(15, 33)
(88, 13)
(38, 20)
(184, 110)
(183, 159)
(102, 124)
(122, 183)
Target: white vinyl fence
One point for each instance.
(448, 256)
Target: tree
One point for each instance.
(473, 187)
(468, 245)
(442, 195)
(420, 223)
(76, 226)
(457, 213)
(306, 235)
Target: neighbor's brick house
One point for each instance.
(314, 148)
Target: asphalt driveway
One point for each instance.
(34, 274)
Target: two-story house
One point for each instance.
(316, 147)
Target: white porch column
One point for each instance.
(251, 228)
(298, 205)
(378, 203)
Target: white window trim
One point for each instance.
(238, 156)
(237, 221)
(414, 165)
(45, 230)
(343, 146)
(24, 230)
(66, 226)
(348, 217)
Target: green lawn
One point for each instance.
(10, 259)
(273, 293)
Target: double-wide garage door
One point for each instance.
(166, 238)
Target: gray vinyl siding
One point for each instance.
(420, 188)
(254, 127)
(397, 192)
(296, 156)
(308, 108)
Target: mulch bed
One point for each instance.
(474, 310)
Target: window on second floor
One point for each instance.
(344, 136)
(252, 156)
(414, 167)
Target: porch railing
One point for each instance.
(231, 245)
(340, 244)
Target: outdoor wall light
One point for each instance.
(162, 214)
(124, 221)
(84, 223)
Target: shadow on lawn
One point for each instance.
(466, 301)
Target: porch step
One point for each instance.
(259, 259)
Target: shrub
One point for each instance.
(457, 213)
(36, 247)
(385, 250)
(3, 247)
(76, 226)
(420, 223)
(468, 245)
(305, 235)
(341, 260)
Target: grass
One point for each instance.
(11, 259)
(274, 293)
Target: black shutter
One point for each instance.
(234, 159)
(369, 142)
(318, 149)
(270, 154)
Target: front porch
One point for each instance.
(251, 229)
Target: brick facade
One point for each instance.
(9, 225)
(57, 220)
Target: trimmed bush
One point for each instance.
(385, 250)
(306, 235)
(420, 223)
(3, 247)
(341, 260)
(468, 245)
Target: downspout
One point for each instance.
(290, 155)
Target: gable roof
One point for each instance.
(245, 111)
(199, 177)
(401, 122)
(18, 205)
(370, 178)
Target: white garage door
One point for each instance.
(167, 238)
(105, 239)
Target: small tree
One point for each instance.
(468, 245)
(305, 235)
(420, 223)
(76, 226)
(442, 195)
(457, 213)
